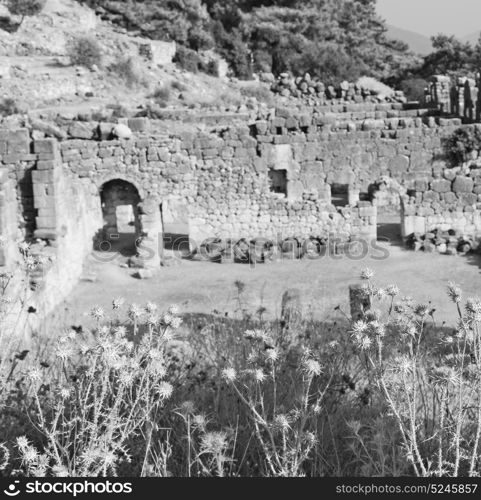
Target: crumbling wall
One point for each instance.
(451, 201)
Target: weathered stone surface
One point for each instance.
(399, 163)
(122, 131)
(463, 184)
(81, 130)
(441, 185)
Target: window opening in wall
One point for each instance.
(340, 194)
(278, 181)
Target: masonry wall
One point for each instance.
(450, 201)
(215, 182)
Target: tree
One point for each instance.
(450, 56)
(24, 8)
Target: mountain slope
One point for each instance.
(472, 38)
(418, 43)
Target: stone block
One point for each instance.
(138, 124)
(441, 185)
(82, 130)
(18, 141)
(399, 163)
(463, 184)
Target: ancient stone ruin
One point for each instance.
(303, 173)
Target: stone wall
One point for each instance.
(449, 201)
(276, 177)
(8, 220)
(459, 97)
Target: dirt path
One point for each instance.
(204, 286)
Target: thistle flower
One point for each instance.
(97, 313)
(22, 442)
(64, 392)
(454, 292)
(158, 368)
(392, 290)
(152, 319)
(281, 422)
(175, 323)
(259, 375)
(60, 471)
(151, 308)
(64, 351)
(229, 374)
(134, 312)
(30, 454)
(187, 408)
(118, 303)
(359, 327)
(173, 309)
(126, 377)
(120, 331)
(473, 309)
(214, 442)
(165, 390)
(311, 367)
(167, 319)
(272, 354)
(404, 364)
(24, 247)
(30, 262)
(35, 375)
(367, 274)
(199, 421)
(421, 309)
(5, 457)
(377, 328)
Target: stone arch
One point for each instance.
(101, 181)
(122, 226)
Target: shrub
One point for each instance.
(187, 59)
(8, 106)
(414, 89)
(176, 85)
(261, 93)
(128, 71)
(190, 60)
(24, 8)
(84, 50)
(161, 96)
(461, 144)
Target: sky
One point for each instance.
(429, 17)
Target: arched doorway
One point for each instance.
(387, 194)
(120, 210)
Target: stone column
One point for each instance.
(150, 247)
(8, 219)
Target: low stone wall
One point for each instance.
(452, 200)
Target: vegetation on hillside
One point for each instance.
(334, 40)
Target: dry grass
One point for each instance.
(146, 393)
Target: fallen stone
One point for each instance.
(144, 274)
(122, 131)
